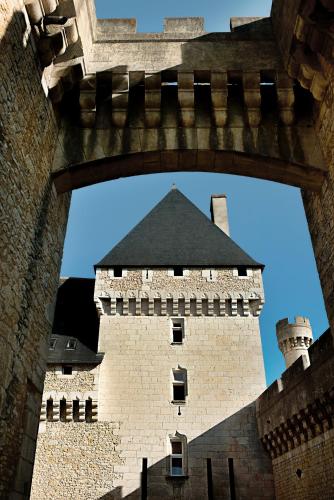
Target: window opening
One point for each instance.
(177, 458)
(147, 274)
(49, 410)
(52, 344)
(242, 271)
(89, 411)
(67, 370)
(179, 386)
(178, 271)
(75, 411)
(71, 345)
(177, 331)
(118, 272)
(62, 410)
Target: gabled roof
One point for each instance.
(176, 233)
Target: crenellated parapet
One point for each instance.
(294, 339)
(300, 405)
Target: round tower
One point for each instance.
(294, 339)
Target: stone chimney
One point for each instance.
(218, 210)
(294, 339)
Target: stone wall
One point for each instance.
(222, 357)
(306, 473)
(76, 460)
(295, 419)
(33, 221)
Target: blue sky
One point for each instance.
(266, 219)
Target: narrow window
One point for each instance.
(177, 331)
(71, 345)
(118, 272)
(242, 271)
(75, 410)
(67, 370)
(179, 385)
(49, 410)
(176, 465)
(89, 411)
(178, 271)
(52, 344)
(62, 410)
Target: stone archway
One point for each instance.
(44, 150)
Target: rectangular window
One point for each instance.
(178, 271)
(179, 386)
(242, 271)
(118, 272)
(75, 410)
(177, 458)
(67, 370)
(177, 330)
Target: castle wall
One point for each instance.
(33, 220)
(295, 419)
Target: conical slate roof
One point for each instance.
(176, 233)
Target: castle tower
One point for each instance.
(294, 339)
(179, 306)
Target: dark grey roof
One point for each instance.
(75, 318)
(81, 354)
(176, 233)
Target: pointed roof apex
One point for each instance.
(176, 233)
(173, 186)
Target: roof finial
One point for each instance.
(173, 185)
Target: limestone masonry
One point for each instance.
(84, 100)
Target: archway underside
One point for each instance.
(188, 160)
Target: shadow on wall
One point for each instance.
(234, 438)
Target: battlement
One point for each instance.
(172, 26)
(299, 391)
(299, 320)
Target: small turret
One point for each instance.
(294, 339)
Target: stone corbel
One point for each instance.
(219, 96)
(87, 101)
(120, 99)
(286, 98)
(252, 97)
(186, 98)
(152, 100)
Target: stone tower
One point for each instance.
(294, 339)
(179, 306)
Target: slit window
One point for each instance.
(75, 410)
(49, 410)
(62, 410)
(89, 411)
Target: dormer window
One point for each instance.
(52, 344)
(178, 271)
(71, 345)
(118, 272)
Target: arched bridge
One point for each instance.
(184, 100)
